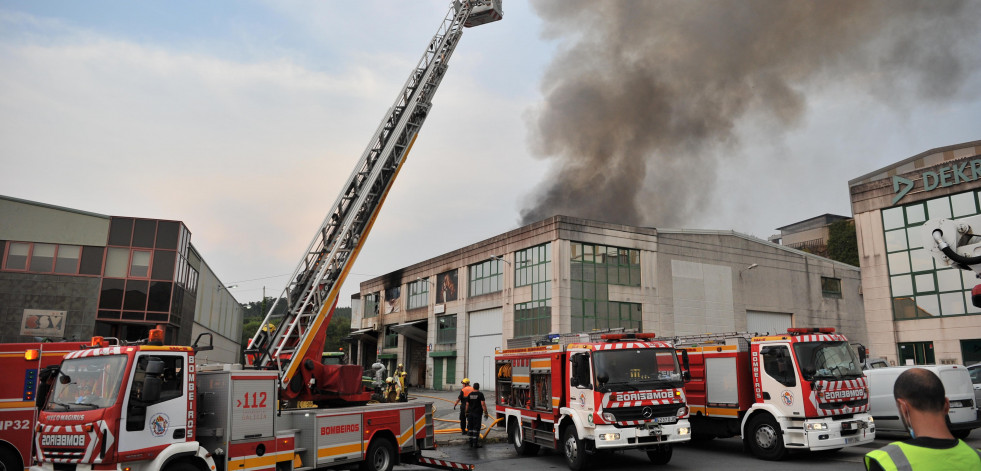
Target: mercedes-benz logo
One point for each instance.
(648, 412)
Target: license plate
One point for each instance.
(666, 420)
(851, 440)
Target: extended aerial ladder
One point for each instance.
(312, 292)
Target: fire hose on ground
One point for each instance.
(483, 427)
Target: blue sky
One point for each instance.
(243, 118)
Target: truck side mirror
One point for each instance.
(686, 376)
(861, 354)
(151, 389)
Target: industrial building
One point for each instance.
(443, 317)
(918, 312)
(71, 274)
(810, 235)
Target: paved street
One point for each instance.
(715, 454)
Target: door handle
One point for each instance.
(179, 433)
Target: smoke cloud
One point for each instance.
(643, 99)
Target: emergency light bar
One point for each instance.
(810, 330)
(615, 337)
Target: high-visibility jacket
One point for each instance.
(901, 456)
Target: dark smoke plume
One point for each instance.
(643, 99)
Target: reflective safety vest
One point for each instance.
(905, 457)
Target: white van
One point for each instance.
(963, 415)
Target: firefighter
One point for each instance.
(461, 399)
(475, 407)
(400, 379)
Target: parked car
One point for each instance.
(975, 371)
(963, 415)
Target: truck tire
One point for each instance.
(522, 448)
(660, 454)
(380, 456)
(573, 449)
(10, 460)
(181, 466)
(765, 438)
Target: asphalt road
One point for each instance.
(724, 454)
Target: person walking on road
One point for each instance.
(461, 400)
(475, 407)
(923, 407)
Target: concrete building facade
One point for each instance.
(444, 317)
(917, 311)
(71, 274)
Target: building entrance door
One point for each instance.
(485, 334)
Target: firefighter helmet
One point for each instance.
(466, 380)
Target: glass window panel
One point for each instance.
(969, 278)
(111, 296)
(120, 231)
(928, 306)
(140, 266)
(167, 235)
(952, 304)
(136, 292)
(892, 218)
(970, 305)
(576, 249)
(42, 258)
(587, 253)
(17, 256)
(902, 285)
(904, 308)
(163, 264)
(915, 214)
(67, 261)
(949, 280)
(108, 315)
(144, 231)
(914, 236)
(116, 262)
(896, 240)
(898, 263)
(924, 283)
(963, 204)
(159, 299)
(91, 262)
(939, 208)
(920, 260)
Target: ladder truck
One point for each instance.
(803, 390)
(150, 407)
(583, 393)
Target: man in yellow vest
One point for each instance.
(923, 406)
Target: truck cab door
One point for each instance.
(155, 408)
(779, 381)
(581, 384)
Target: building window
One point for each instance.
(42, 258)
(920, 287)
(446, 329)
(418, 293)
(51, 258)
(391, 337)
(533, 267)
(67, 260)
(486, 277)
(17, 254)
(593, 269)
(916, 353)
(371, 304)
(139, 265)
(831, 287)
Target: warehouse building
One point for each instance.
(71, 274)
(444, 317)
(918, 311)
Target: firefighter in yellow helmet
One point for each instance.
(391, 395)
(403, 393)
(462, 397)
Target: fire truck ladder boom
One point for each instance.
(312, 291)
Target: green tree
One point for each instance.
(843, 242)
(338, 328)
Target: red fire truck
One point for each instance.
(803, 390)
(24, 366)
(582, 393)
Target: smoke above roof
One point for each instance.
(643, 98)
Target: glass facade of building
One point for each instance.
(921, 288)
(418, 293)
(486, 277)
(533, 267)
(593, 269)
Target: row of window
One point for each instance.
(60, 259)
(920, 287)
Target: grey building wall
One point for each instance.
(37, 222)
(74, 294)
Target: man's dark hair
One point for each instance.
(476, 386)
(921, 388)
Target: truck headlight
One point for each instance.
(609, 436)
(684, 431)
(609, 417)
(871, 420)
(818, 426)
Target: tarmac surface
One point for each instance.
(447, 420)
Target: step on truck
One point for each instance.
(145, 406)
(803, 390)
(583, 393)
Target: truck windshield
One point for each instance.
(827, 360)
(87, 383)
(635, 368)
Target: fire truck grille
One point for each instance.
(624, 414)
(843, 404)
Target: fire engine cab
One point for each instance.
(803, 390)
(581, 393)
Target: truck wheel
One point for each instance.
(9, 460)
(380, 456)
(520, 447)
(573, 449)
(765, 438)
(660, 454)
